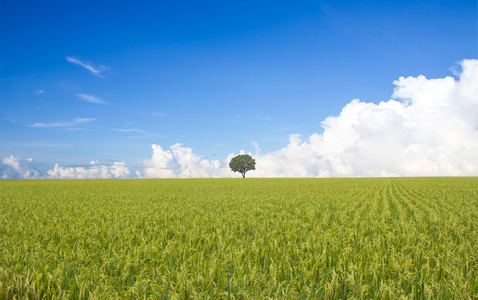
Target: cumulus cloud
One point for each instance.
(429, 128)
(181, 162)
(17, 168)
(95, 170)
(93, 68)
(91, 98)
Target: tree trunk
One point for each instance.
(244, 175)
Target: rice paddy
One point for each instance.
(369, 238)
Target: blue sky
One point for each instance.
(104, 80)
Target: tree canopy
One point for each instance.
(242, 163)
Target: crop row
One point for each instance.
(239, 239)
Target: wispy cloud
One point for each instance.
(74, 122)
(284, 128)
(94, 69)
(127, 130)
(257, 118)
(138, 133)
(159, 114)
(39, 92)
(47, 145)
(10, 119)
(91, 98)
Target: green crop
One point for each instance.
(398, 238)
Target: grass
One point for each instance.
(380, 238)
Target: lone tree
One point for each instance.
(242, 163)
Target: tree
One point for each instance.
(242, 163)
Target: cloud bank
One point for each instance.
(95, 170)
(181, 162)
(429, 128)
(17, 168)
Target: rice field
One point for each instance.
(369, 238)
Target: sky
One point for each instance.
(121, 89)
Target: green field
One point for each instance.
(410, 238)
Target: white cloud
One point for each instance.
(255, 117)
(181, 162)
(46, 145)
(138, 133)
(127, 130)
(256, 147)
(39, 92)
(17, 168)
(74, 122)
(430, 128)
(91, 98)
(95, 170)
(94, 69)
